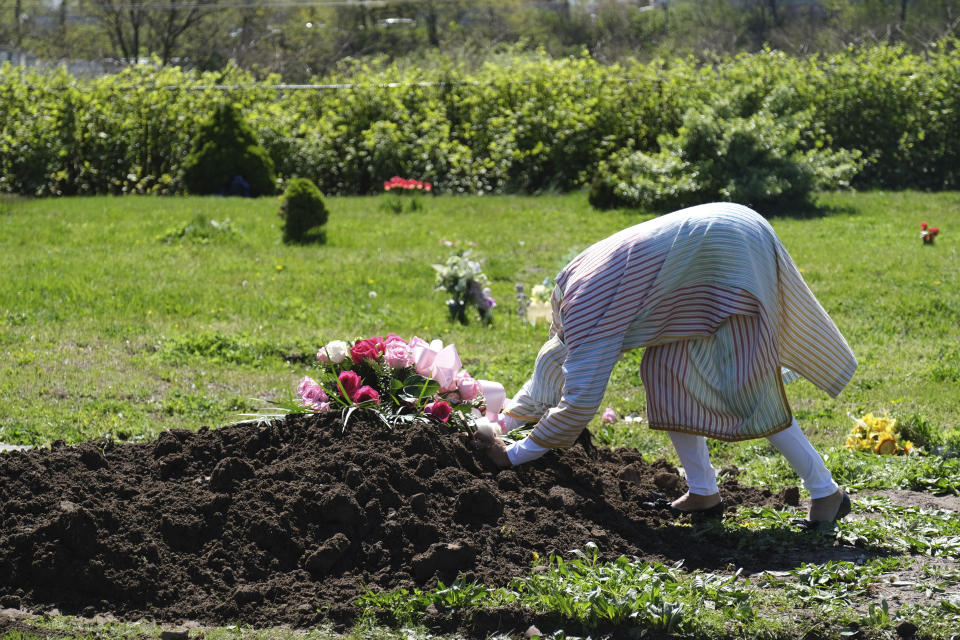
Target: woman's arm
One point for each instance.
(586, 369)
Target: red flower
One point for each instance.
(396, 182)
(923, 226)
(350, 382)
(369, 349)
(439, 410)
(366, 392)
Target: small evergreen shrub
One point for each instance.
(303, 211)
(756, 160)
(226, 158)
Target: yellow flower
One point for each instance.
(876, 434)
(886, 445)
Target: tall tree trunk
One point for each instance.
(903, 12)
(17, 25)
(134, 37)
(433, 36)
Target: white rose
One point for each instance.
(337, 351)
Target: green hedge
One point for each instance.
(518, 123)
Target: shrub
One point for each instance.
(303, 211)
(226, 158)
(756, 160)
(520, 122)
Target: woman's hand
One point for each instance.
(486, 438)
(497, 452)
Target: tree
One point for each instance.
(123, 21)
(132, 22)
(169, 25)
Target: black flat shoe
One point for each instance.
(710, 512)
(662, 504)
(842, 511)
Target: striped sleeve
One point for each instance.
(542, 391)
(810, 343)
(586, 371)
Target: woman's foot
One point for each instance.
(695, 503)
(830, 508)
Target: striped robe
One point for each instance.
(716, 300)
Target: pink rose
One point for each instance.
(350, 382)
(392, 337)
(365, 350)
(366, 392)
(398, 355)
(439, 410)
(467, 387)
(311, 394)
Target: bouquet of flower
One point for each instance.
(876, 434)
(401, 186)
(927, 234)
(399, 381)
(540, 307)
(465, 281)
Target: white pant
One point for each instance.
(791, 443)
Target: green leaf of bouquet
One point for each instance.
(420, 387)
(347, 414)
(383, 419)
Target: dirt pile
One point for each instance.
(287, 522)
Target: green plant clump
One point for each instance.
(303, 211)
(201, 230)
(227, 159)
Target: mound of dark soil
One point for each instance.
(289, 522)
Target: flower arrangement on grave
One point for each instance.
(928, 233)
(400, 381)
(401, 185)
(402, 191)
(540, 307)
(466, 283)
(876, 434)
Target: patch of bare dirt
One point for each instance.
(288, 523)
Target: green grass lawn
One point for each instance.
(115, 319)
(105, 327)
